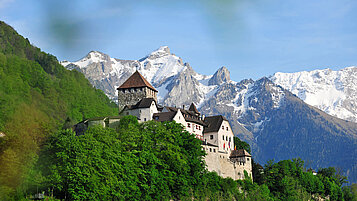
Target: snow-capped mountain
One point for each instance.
(164, 70)
(265, 113)
(333, 92)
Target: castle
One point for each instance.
(137, 97)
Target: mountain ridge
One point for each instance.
(261, 112)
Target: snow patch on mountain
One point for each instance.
(207, 92)
(160, 65)
(331, 91)
(240, 103)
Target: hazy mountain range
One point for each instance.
(310, 115)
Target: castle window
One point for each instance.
(247, 159)
(211, 137)
(223, 127)
(226, 138)
(223, 137)
(210, 150)
(139, 111)
(227, 129)
(214, 150)
(188, 125)
(144, 119)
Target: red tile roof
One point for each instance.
(136, 80)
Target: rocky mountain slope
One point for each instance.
(273, 120)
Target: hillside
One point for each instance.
(37, 95)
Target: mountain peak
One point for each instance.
(165, 49)
(94, 53)
(222, 75)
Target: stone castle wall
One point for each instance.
(220, 163)
(130, 96)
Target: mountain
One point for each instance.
(276, 123)
(333, 92)
(282, 126)
(164, 70)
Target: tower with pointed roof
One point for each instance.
(134, 89)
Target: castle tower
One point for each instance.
(135, 88)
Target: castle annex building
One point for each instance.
(137, 97)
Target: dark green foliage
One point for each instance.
(331, 172)
(350, 192)
(258, 173)
(287, 180)
(149, 161)
(239, 144)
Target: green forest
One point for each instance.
(39, 102)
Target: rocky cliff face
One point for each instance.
(103, 72)
(220, 77)
(270, 117)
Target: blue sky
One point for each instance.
(252, 38)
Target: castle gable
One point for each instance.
(193, 108)
(136, 80)
(190, 116)
(214, 123)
